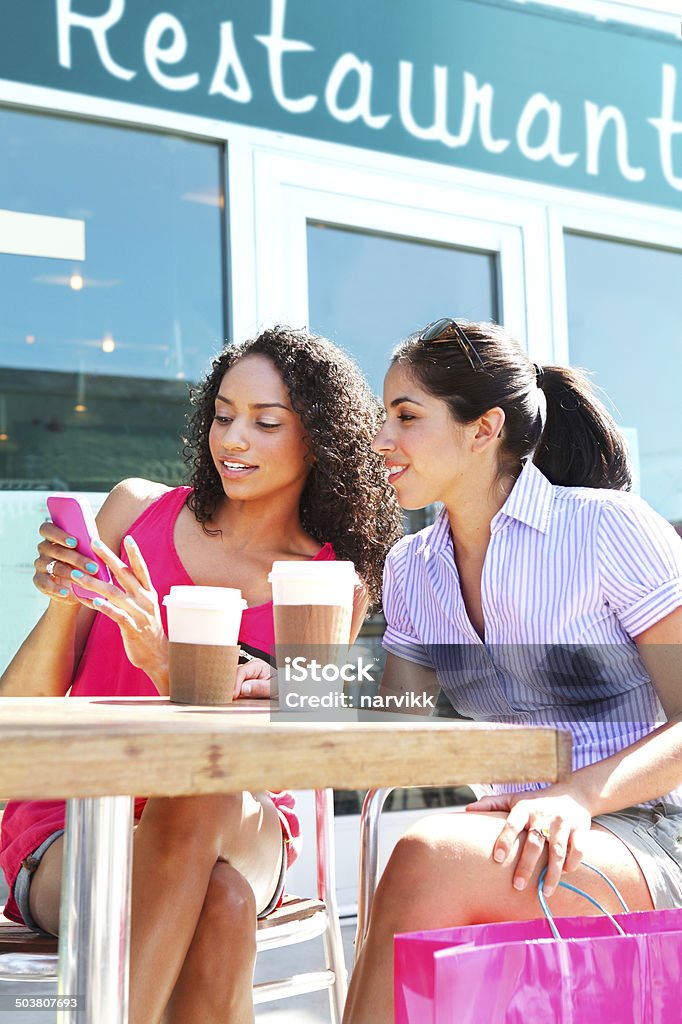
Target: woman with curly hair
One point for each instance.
(280, 447)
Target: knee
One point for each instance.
(228, 921)
(435, 857)
(403, 889)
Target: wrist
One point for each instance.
(63, 611)
(158, 672)
(580, 789)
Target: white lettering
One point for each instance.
(229, 62)
(361, 108)
(298, 670)
(98, 25)
(155, 54)
(386, 701)
(667, 127)
(536, 106)
(477, 103)
(438, 132)
(299, 667)
(596, 120)
(315, 701)
(481, 99)
(277, 45)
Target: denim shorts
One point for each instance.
(654, 837)
(22, 884)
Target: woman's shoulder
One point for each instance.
(125, 504)
(415, 545)
(603, 500)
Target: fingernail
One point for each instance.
(97, 543)
(129, 542)
(246, 689)
(91, 566)
(98, 602)
(77, 574)
(547, 890)
(519, 883)
(71, 542)
(499, 856)
(63, 592)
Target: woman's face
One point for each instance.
(257, 441)
(423, 447)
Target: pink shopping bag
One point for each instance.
(518, 973)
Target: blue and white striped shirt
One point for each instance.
(571, 576)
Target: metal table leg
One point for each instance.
(94, 929)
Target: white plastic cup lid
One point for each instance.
(337, 571)
(205, 597)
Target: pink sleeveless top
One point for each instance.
(104, 670)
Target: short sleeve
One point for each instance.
(400, 637)
(640, 563)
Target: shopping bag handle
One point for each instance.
(567, 885)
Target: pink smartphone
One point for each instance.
(74, 516)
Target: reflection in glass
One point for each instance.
(95, 356)
(625, 325)
(368, 291)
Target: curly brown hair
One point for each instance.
(346, 499)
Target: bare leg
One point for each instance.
(223, 947)
(177, 846)
(441, 874)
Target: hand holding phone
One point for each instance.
(74, 515)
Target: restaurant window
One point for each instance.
(96, 353)
(367, 291)
(625, 325)
(98, 345)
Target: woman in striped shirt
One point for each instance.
(543, 593)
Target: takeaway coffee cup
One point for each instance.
(313, 602)
(313, 607)
(203, 650)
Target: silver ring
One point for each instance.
(49, 568)
(542, 831)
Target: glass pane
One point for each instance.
(366, 292)
(95, 356)
(625, 325)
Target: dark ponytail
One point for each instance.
(579, 445)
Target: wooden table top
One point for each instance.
(55, 747)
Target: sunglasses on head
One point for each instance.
(448, 330)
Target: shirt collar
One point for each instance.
(530, 500)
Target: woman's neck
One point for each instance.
(255, 524)
(474, 505)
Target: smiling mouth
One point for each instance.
(394, 472)
(235, 469)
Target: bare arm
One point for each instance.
(641, 772)
(652, 766)
(46, 662)
(403, 680)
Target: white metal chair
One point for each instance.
(25, 956)
(370, 820)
